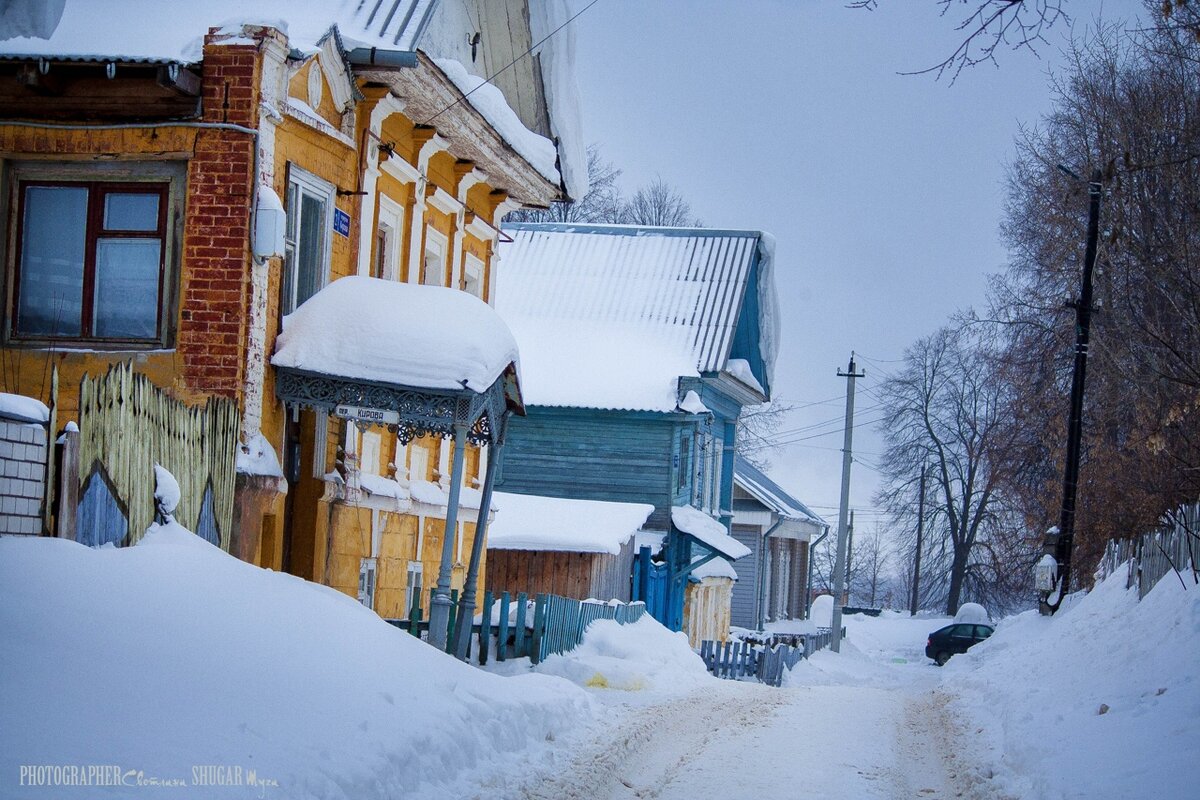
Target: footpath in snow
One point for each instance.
(175, 663)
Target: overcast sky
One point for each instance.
(884, 191)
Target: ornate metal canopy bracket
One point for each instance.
(422, 411)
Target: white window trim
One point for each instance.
(327, 191)
(391, 217)
(414, 568)
(473, 267)
(368, 581)
(434, 239)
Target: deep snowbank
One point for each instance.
(1031, 697)
(637, 657)
(173, 654)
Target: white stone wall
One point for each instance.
(22, 477)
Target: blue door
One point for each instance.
(650, 586)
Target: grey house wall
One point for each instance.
(744, 606)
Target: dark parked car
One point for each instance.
(956, 638)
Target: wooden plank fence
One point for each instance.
(519, 628)
(1174, 547)
(127, 425)
(737, 659)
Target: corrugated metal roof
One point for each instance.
(679, 289)
(401, 22)
(771, 494)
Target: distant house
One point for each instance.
(777, 529)
(573, 548)
(639, 348)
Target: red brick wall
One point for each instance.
(214, 297)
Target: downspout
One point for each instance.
(762, 576)
(808, 584)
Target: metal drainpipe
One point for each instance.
(762, 574)
(808, 583)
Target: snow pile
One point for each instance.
(257, 457)
(351, 329)
(644, 655)
(1098, 701)
(548, 24)
(821, 611)
(172, 653)
(533, 522)
(22, 408)
(972, 612)
(692, 404)
(717, 568)
(740, 369)
(489, 101)
(166, 490)
(708, 531)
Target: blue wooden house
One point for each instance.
(639, 348)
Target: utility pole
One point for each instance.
(849, 557)
(916, 587)
(839, 564)
(1058, 545)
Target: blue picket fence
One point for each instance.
(517, 628)
(765, 659)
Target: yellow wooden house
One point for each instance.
(353, 143)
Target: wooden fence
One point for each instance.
(1174, 547)
(127, 425)
(766, 662)
(517, 628)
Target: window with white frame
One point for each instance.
(473, 276)
(366, 582)
(307, 243)
(414, 586)
(436, 245)
(368, 454)
(418, 463)
(95, 250)
(387, 240)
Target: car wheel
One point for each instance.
(942, 658)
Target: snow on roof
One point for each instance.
(22, 408)
(556, 59)
(427, 337)
(172, 30)
(489, 101)
(613, 316)
(533, 522)
(716, 568)
(771, 494)
(708, 531)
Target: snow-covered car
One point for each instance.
(956, 638)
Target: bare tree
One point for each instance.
(602, 203)
(872, 556)
(988, 26)
(946, 408)
(758, 431)
(658, 204)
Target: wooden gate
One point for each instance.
(127, 425)
(650, 586)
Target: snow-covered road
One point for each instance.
(866, 724)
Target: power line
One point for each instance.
(491, 77)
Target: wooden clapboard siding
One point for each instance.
(574, 575)
(745, 599)
(589, 454)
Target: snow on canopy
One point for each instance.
(708, 532)
(612, 316)
(169, 30)
(717, 568)
(755, 482)
(427, 337)
(533, 522)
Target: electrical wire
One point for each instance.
(503, 69)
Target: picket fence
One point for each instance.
(1174, 547)
(737, 659)
(523, 629)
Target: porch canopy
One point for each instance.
(418, 359)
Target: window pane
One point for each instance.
(52, 246)
(127, 288)
(311, 256)
(131, 212)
